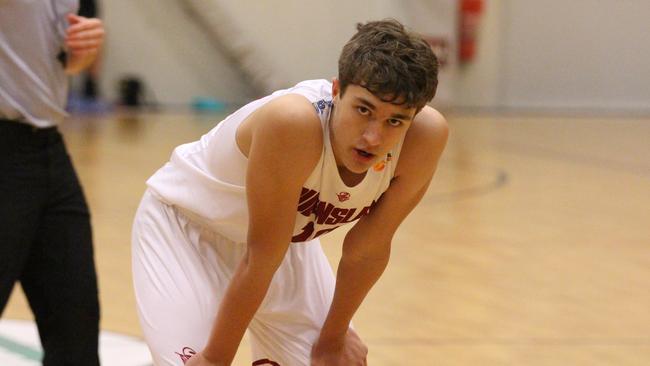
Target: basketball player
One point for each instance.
(45, 233)
(226, 236)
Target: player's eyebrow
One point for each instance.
(372, 107)
(366, 103)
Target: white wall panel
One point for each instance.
(592, 54)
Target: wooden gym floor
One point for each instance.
(532, 247)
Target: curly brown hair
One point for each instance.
(391, 62)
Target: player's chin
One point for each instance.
(359, 167)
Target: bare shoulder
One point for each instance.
(429, 127)
(289, 120)
(292, 109)
(424, 142)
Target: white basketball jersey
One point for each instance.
(206, 179)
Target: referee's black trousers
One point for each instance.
(46, 243)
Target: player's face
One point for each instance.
(364, 128)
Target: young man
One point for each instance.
(225, 238)
(45, 233)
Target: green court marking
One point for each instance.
(20, 349)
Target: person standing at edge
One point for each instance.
(45, 233)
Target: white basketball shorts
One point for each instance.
(181, 271)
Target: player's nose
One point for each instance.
(372, 134)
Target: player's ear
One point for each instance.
(336, 87)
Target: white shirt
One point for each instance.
(33, 83)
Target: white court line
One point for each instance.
(20, 346)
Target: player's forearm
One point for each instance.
(243, 297)
(355, 278)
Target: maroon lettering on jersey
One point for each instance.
(306, 193)
(364, 211)
(304, 235)
(349, 215)
(308, 200)
(186, 354)
(324, 213)
(336, 216)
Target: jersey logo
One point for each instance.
(186, 354)
(322, 105)
(343, 196)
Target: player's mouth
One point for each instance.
(363, 155)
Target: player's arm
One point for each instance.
(283, 142)
(366, 248)
(84, 39)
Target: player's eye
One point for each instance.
(395, 122)
(363, 110)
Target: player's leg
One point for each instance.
(180, 274)
(292, 314)
(22, 189)
(59, 277)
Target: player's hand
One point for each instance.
(200, 360)
(350, 352)
(84, 36)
